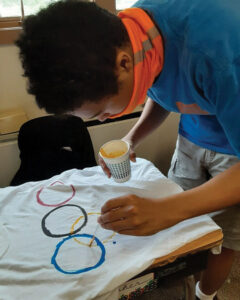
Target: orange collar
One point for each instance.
(148, 54)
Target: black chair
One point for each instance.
(50, 145)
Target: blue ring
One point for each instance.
(101, 260)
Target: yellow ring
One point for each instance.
(81, 243)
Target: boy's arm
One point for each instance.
(135, 215)
(151, 118)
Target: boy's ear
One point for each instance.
(124, 62)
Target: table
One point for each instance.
(206, 242)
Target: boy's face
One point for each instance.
(112, 105)
(106, 107)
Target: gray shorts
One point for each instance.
(193, 165)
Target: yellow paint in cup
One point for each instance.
(112, 154)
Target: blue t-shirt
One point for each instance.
(201, 72)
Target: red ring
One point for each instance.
(54, 205)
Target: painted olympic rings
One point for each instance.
(48, 233)
(54, 205)
(84, 244)
(99, 244)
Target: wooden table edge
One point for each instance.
(205, 242)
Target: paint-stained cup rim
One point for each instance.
(118, 158)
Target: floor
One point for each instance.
(231, 288)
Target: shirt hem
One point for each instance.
(206, 145)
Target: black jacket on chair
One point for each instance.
(50, 145)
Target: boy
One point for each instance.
(185, 54)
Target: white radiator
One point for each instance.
(9, 158)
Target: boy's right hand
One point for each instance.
(101, 162)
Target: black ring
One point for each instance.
(48, 233)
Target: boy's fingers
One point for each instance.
(118, 225)
(104, 167)
(106, 170)
(132, 156)
(112, 216)
(113, 204)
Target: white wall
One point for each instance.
(13, 92)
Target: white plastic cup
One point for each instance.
(115, 154)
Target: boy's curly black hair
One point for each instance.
(68, 52)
